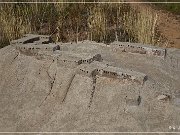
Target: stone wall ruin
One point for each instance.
(85, 64)
(32, 49)
(96, 68)
(31, 38)
(138, 48)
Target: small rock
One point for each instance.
(163, 97)
(133, 102)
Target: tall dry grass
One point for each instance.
(12, 25)
(141, 23)
(98, 22)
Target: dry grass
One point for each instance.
(11, 25)
(99, 22)
(141, 24)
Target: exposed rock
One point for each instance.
(163, 97)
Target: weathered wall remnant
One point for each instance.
(31, 38)
(73, 59)
(32, 49)
(85, 63)
(96, 68)
(138, 48)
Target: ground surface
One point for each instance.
(29, 104)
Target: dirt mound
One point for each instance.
(70, 88)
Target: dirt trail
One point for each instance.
(168, 25)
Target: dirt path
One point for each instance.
(168, 25)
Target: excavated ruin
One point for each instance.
(88, 87)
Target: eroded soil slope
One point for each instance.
(32, 98)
